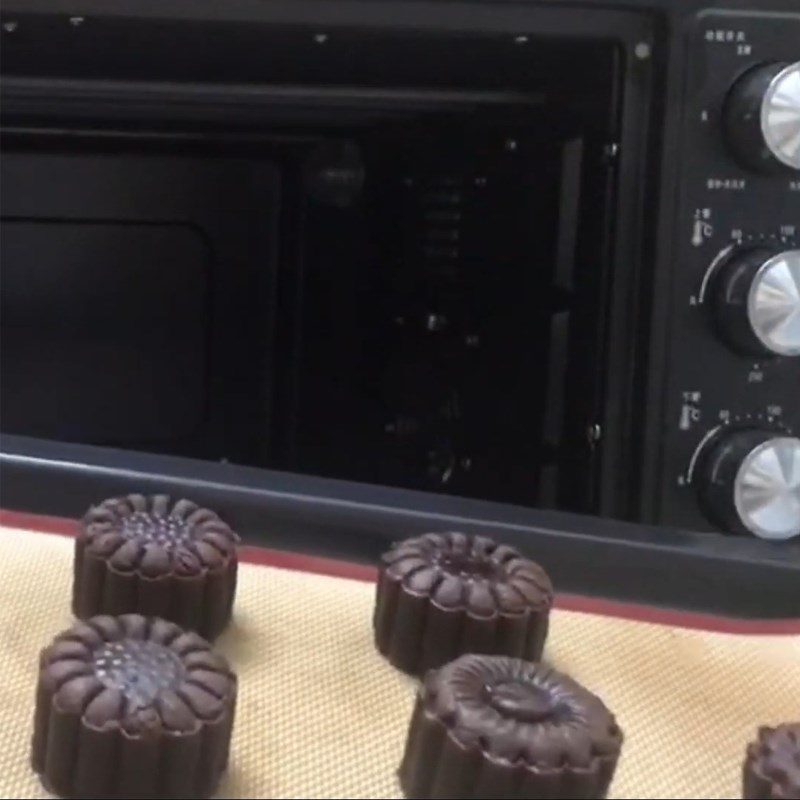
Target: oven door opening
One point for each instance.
(386, 261)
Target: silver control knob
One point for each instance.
(757, 302)
(773, 303)
(751, 484)
(761, 117)
(780, 116)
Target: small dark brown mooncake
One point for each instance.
(444, 594)
(147, 555)
(132, 706)
(495, 727)
(772, 766)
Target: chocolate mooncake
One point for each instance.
(147, 555)
(444, 594)
(772, 766)
(132, 706)
(496, 727)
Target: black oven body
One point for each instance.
(463, 249)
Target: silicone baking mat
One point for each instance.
(320, 714)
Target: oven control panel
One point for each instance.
(731, 438)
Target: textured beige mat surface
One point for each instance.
(321, 715)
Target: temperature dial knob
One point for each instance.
(761, 117)
(751, 484)
(756, 301)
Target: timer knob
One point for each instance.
(756, 301)
(751, 484)
(761, 117)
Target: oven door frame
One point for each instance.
(614, 420)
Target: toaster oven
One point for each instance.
(521, 258)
